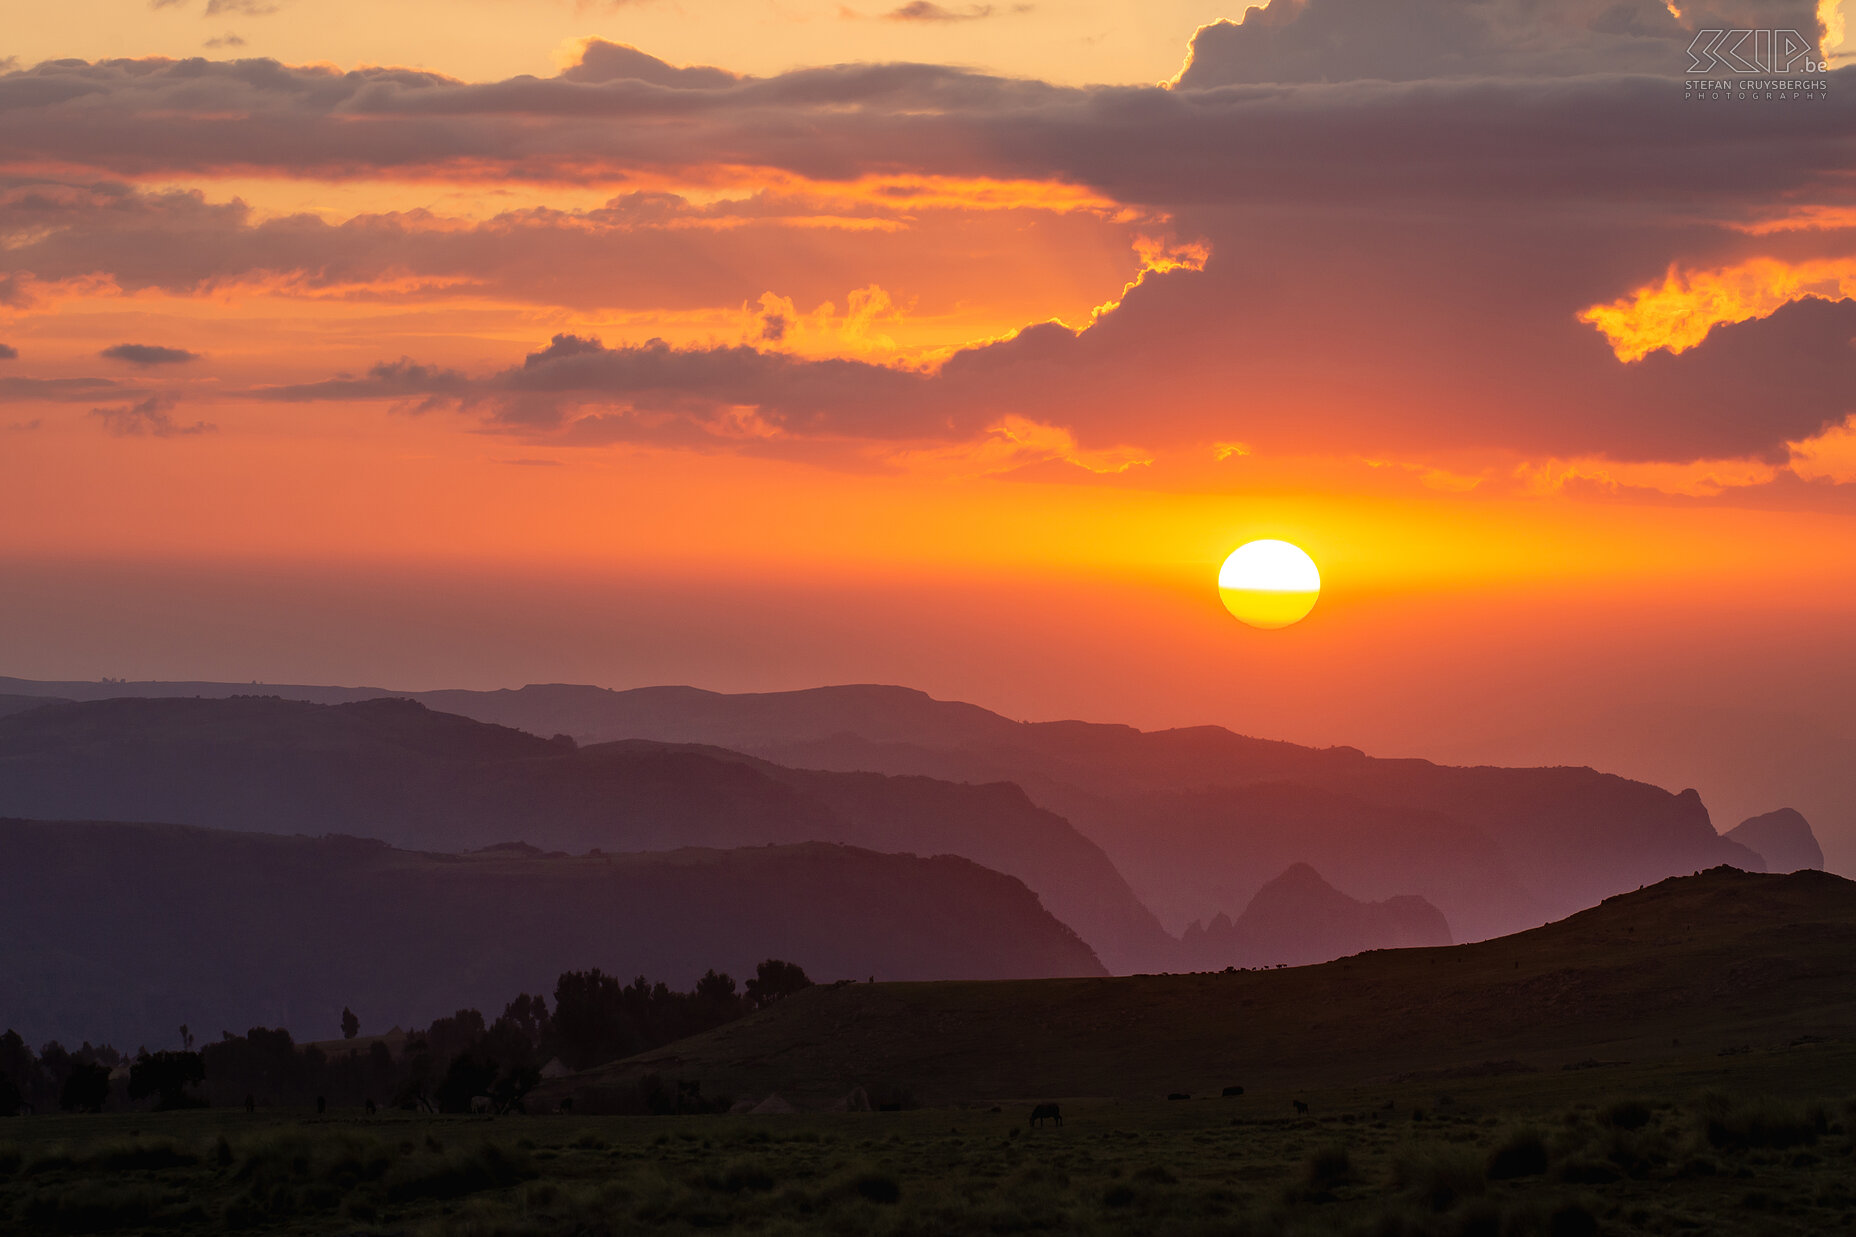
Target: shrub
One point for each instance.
(488, 1167)
(1626, 1115)
(1326, 1169)
(1763, 1123)
(877, 1187)
(739, 1176)
(1522, 1154)
(1439, 1175)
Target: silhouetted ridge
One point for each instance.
(128, 930)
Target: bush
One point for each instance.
(877, 1187)
(1439, 1175)
(92, 1208)
(488, 1167)
(1763, 1123)
(739, 1176)
(1626, 1115)
(1522, 1154)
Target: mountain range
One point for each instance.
(395, 770)
(1128, 836)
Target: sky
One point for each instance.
(768, 343)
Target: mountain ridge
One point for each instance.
(125, 930)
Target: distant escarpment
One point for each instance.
(1299, 918)
(1782, 838)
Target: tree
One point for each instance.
(20, 1071)
(773, 980)
(166, 1075)
(351, 1025)
(589, 1018)
(86, 1087)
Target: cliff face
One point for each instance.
(1783, 839)
(1530, 845)
(124, 931)
(1298, 918)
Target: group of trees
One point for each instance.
(56, 1077)
(595, 1018)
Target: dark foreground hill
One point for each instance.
(395, 770)
(1713, 961)
(124, 932)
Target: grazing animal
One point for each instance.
(1046, 1112)
(1301, 1106)
(1230, 1091)
(251, 1102)
(322, 1105)
(480, 1105)
(370, 1108)
(1179, 1095)
(567, 1105)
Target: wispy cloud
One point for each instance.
(148, 418)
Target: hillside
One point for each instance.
(1299, 918)
(125, 931)
(395, 770)
(1708, 962)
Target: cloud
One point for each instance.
(1397, 264)
(924, 11)
(8, 352)
(148, 355)
(417, 388)
(26, 390)
(1410, 40)
(221, 8)
(600, 61)
(149, 418)
(226, 40)
(1746, 393)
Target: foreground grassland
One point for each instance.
(1755, 1142)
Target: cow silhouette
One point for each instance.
(1301, 1106)
(251, 1102)
(370, 1108)
(1046, 1112)
(480, 1105)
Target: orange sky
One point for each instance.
(890, 348)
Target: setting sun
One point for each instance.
(1269, 583)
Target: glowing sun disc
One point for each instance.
(1269, 583)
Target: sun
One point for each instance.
(1269, 583)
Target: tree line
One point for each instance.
(441, 1068)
